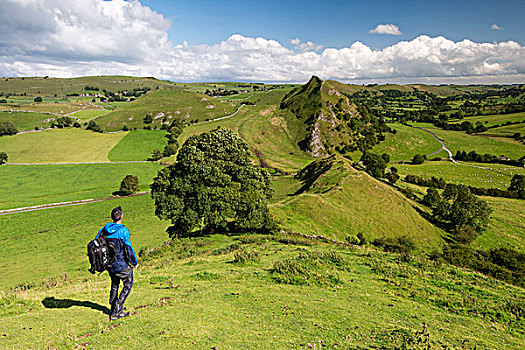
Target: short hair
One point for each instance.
(116, 214)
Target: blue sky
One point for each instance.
(340, 23)
(354, 41)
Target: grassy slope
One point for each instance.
(26, 120)
(344, 202)
(459, 140)
(505, 228)
(38, 86)
(489, 120)
(60, 146)
(191, 298)
(266, 130)
(474, 174)
(173, 104)
(138, 145)
(24, 185)
(50, 242)
(55, 108)
(406, 143)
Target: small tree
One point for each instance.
(432, 198)
(129, 185)
(3, 157)
(155, 155)
(374, 163)
(93, 126)
(392, 176)
(148, 119)
(517, 184)
(38, 99)
(213, 186)
(418, 159)
(7, 128)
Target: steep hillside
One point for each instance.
(333, 124)
(337, 201)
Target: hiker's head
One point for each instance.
(116, 214)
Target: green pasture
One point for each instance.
(507, 225)
(88, 114)
(28, 185)
(484, 175)
(489, 120)
(459, 140)
(51, 242)
(60, 146)
(138, 145)
(165, 106)
(405, 144)
(54, 108)
(192, 296)
(506, 131)
(26, 120)
(266, 131)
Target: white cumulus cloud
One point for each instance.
(390, 29)
(496, 27)
(305, 46)
(95, 37)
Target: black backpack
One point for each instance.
(101, 253)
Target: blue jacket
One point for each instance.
(124, 252)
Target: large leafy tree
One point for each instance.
(212, 187)
(7, 128)
(462, 209)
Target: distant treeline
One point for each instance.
(440, 183)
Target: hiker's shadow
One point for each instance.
(52, 303)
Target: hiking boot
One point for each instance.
(117, 316)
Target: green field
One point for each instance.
(507, 225)
(28, 185)
(60, 146)
(507, 130)
(459, 140)
(26, 120)
(489, 120)
(484, 175)
(138, 145)
(31, 240)
(84, 115)
(406, 143)
(54, 108)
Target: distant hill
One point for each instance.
(47, 87)
(337, 201)
(332, 122)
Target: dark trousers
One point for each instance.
(126, 276)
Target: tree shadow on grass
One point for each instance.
(52, 303)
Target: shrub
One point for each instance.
(38, 99)
(7, 128)
(401, 245)
(418, 159)
(3, 158)
(129, 185)
(244, 256)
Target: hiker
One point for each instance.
(120, 269)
